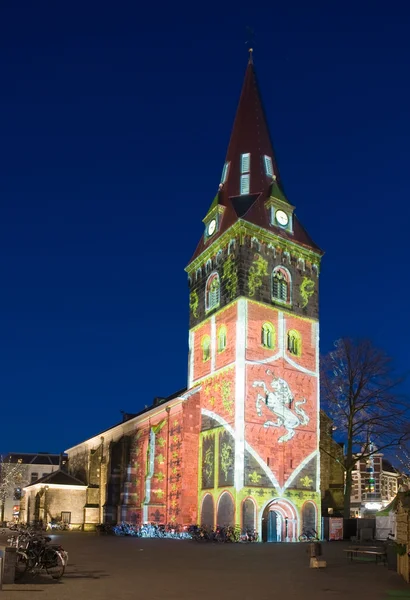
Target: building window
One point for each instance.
(206, 348)
(225, 170)
(208, 266)
(244, 185)
(281, 285)
(222, 336)
(268, 166)
(213, 292)
(66, 517)
(245, 163)
(34, 477)
(294, 342)
(245, 173)
(255, 244)
(231, 247)
(268, 335)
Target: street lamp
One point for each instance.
(45, 505)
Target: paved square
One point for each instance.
(113, 568)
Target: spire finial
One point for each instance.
(250, 34)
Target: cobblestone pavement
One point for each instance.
(112, 568)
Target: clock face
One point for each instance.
(282, 218)
(212, 227)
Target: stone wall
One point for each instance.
(60, 500)
(47, 505)
(331, 470)
(245, 269)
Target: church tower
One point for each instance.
(254, 343)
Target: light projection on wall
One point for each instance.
(230, 277)
(307, 289)
(257, 271)
(194, 303)
(279, 401)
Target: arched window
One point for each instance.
(208, 266)
(268, 335)
(294, 342)
(222, 335)
(309, 516)
(231, 246)
(226, 510)
(281, 285)
(206, 348)
(207, 511)
(248, 515)
(255, 244)
(213, 292)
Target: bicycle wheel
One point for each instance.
(21, 565)
(303, 537)
(54, 564)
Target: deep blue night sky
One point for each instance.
(114, 123)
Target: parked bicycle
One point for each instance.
(35, 554)
(249, 535)
(309, 535)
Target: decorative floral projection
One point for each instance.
(257, 271)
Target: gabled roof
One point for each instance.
(39, 458)
(58, 478)
(388, 467)
(129, 416)
(250, 134)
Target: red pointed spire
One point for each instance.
(250, 176)
(250, 136)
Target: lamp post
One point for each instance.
(45, 506)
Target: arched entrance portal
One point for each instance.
(279, 522)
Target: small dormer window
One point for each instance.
(268, 166)
(225, 170)
(245, 173)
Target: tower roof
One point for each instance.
(251, 175)
(250, 134)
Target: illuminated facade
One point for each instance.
(240, 444)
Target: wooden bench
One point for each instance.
(376, 551)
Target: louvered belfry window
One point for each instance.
(268, 166)
(281, 285)
(225, 170)
(212, 293)
(245, 173)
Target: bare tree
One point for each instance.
(360, 393)
(11, 476)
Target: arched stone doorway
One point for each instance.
(279, 522)
(207, 512)
(226, 510)
(309, 516)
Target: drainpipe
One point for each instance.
(168, 409)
